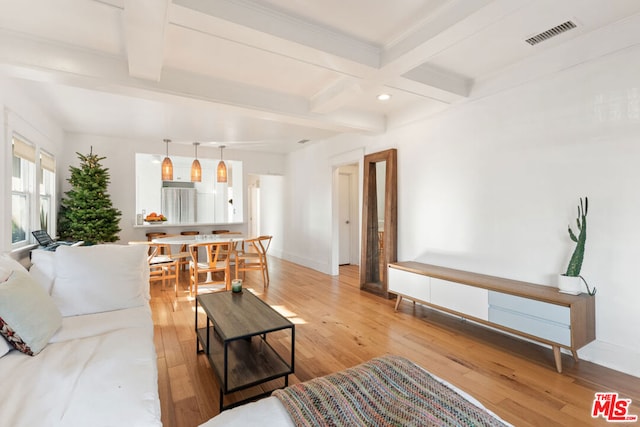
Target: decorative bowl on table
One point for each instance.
(154, 218)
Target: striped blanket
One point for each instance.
(386, 391)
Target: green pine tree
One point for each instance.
(86, 213)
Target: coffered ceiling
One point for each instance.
(263, 75)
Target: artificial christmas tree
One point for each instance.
(86, 213)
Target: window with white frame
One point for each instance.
(47, 189)
(22, 191)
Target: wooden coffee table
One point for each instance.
(235, 341)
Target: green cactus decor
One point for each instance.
(575, 263)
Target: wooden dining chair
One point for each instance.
(253, 256)
(217, 262)
(184, 255)
(154, 235)
(162, 266)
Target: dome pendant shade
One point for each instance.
(196, 169)
(221, 172)
(167, 165)
(167, 169)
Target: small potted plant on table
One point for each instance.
(571, 282)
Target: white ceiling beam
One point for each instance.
(336, 95)
(258, 26)
(52, 62)
(255, 25)
(144, 23)
(400, 62)
(435, 83)
(452, 23)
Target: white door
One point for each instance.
(254, 210)
(345, 229)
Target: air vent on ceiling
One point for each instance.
(551, 32)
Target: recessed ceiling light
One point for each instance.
(384, 97)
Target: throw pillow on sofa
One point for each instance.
(28, 316)
(42, 268)
(94, 279)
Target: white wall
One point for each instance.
(271, 211)
(309, 234)
(491, 185)
(120, 159)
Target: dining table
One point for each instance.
(199, 238)
(186, 240)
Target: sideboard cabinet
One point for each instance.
(535, 312)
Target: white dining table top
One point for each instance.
(199, 238)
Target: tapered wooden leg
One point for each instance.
(558, 357)
(398, 302)
(575, 355)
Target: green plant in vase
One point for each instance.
(575, 263)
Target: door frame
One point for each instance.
(348, 158)
(350, 174)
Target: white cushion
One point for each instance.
(5, 272)
(93, 279)
(43, 268)
(10, 263)
(28, 316)
(5, 347)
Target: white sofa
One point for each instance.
(84, 314)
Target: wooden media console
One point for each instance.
(535, 312)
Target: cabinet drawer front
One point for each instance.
(531, 325)
(464, 299)
(542, 310)
(409, 284)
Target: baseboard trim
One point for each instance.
(306, 262)
(612, 356)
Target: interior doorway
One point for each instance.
(349, 162)
(348, 215)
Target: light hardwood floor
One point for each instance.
(338, 326)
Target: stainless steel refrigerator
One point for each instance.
(179, 205)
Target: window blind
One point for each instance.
(24, 150)
(47, 161)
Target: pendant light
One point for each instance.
(221, 171)
(167, 166)
(196, 170)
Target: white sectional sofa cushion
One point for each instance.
(5, 347)
(28, 315)
(99, 368)
(92, 279)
